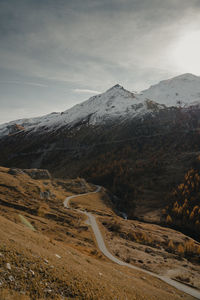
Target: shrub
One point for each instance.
(189, 247)
(115, 227)
(180, 250)
(171, 245)
(168, 219)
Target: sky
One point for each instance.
(57, 53)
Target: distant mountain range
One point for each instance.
(116, 104)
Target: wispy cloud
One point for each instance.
(23, 83)
(86, 91)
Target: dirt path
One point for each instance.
(102, 247)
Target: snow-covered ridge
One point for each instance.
(183, 90)
(116, 103)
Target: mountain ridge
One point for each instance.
(116, 103)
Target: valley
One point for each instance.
(130, 162)
(144, 245)
(59, 258)
(136, 147)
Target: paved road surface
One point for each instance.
(102, 247)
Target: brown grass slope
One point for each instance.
(161, 250)
(60, 260)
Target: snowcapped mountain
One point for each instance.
(183, 90)
(114, 103)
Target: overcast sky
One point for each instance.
(56, 53)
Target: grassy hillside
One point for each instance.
(149, 246)
(59, 258)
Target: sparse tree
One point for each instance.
(180, 250)
(168, 219)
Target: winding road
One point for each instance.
(102, 247)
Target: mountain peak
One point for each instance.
(117, 91)
(115, 88)
(187, 76)
(182, 90)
